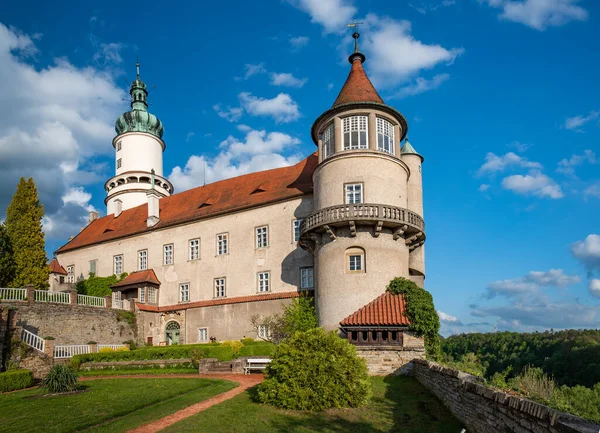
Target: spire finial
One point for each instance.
(356, 54)
(137, 68)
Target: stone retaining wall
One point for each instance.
(152, 363)
(486, 410)
(383, 361)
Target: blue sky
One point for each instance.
(501, 98)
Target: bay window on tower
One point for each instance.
(355, 132)
(328, 142)
(385, 136)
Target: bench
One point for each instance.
(256, 364)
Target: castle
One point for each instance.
(340, 224)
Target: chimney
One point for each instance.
(153, 208)
(118, 207)
(93, 216)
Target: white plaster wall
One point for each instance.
(283, 258)
(415, 183)
(131, 199)
(341, 293)
(417, 259)
(139, 151)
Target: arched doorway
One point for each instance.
(172, 333)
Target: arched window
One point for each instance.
(355, 132)
(355, 260)
(328, 141)
(172, 333)
(385, 136)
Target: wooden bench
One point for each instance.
(256, 364)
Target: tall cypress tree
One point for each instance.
(7, 263)
(24, 226)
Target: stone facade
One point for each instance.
(485, 410)
(383, 360)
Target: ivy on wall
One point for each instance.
(421, 313)
(98, 286)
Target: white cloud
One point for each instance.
(421, 85)
(231, 114)
(588, 251)
(54, 121)
(423, 8)
(189, 136)
(298, 42)
(251, 70)
(510, 288)
(494, 163)
(553, 278)
(258, 151)
(285, 79)
(574, 123)
(447, 318)
(540, 14)
(329, 86)
(535, 183)
(109, 54)
(484, 187)
(282, 108)
(592, 190)
(531, 283)
(566, 166)
(333, 15)
(595, 287)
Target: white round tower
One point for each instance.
(138, 154)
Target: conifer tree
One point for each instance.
(7, 264)
(24, 226)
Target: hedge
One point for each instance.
(258, 350)
(15, 379)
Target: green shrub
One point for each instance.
(15, 379)
(60, 379)
(578, 400)
(469, 364)
(314, 370)
(235, 346)
(98, 286)
(267, 349)
(132, 344)
(247, 341)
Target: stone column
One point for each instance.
(30, 293)
(108, 301)
(94, 348)
(72, 296)
(338, 134)
(49, 348)
(372, 130)
(397, 135)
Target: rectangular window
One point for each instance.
(219, 287)
(262, 237)
(93, 265)
(71, 274)
(119, 163)
(328, 141)
(142, 260)
(202, 335)
(168, 254)
(142, 294)
(354, 193)
(306, 278)
(263, 281)
(222, 244)
(263, 332)
(184, 292)
(355, 262)
(118, 145)
(118, 264)
(355, 132)
(297, 229)
(385, 136)
(194, 249)
(151, 295)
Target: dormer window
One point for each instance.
(385, 136)
(328, 141)
(355, 132)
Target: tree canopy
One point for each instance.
(7, 264)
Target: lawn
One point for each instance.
(129, 371)
(109, 405)
(399, 404)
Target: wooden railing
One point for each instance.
(70, 351)
(91, 301)
(55, 297)
(32, 340)
(121, 304)
(362, 212)
(13, 294)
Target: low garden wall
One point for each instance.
(486, 410)
(126, 365)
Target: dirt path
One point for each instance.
(245, 381)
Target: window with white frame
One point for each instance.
(222, 244)
(385, 136)
(119, 163)
(262, 237)
(264, 281)
(118, 264)
(355, 132)
(142, 294)
(184, 292)
(168, 254)
(151, 295)
(328, 141)
(263, 332)
(202, 335)
(354, 193)
(220, 287)
(93, 266)
(355, 259)
(297, 229)
(118, 145)
(306, 278)
(194, 249)
(142, 260)
(71, 274)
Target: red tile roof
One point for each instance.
(207, 201)
(386, 310)
(358, 87)
(56, 268)
(225, 301)
(138, 277)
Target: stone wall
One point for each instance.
(386, 360)
(486, 410)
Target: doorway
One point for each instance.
(172, 333)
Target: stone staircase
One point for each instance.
(214, 366)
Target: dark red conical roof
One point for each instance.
(358, 87)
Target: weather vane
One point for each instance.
(354, 25)
(356, 54)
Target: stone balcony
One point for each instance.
(403, 223)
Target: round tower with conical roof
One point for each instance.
(138, 154)
(365, 226)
